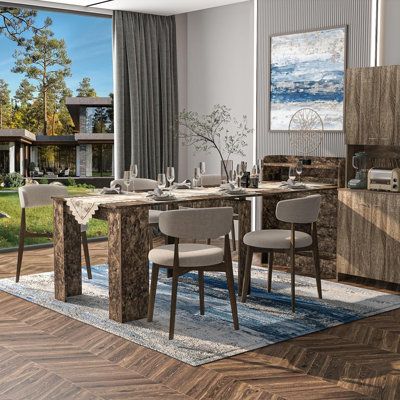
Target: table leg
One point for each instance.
(244, 212)
(128, 246)
(67, 253)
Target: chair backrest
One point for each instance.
(211, 180)
(304, 210)
(142, 184)
(39, 195)
(138, 184)
(197, 223)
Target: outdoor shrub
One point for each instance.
(70, 182)
(13, 180)
(85, 186)
(43, 181)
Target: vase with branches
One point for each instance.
(218, 131)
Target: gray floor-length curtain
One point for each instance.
(146, 93)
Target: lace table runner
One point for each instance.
(84, 207)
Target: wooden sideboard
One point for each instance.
(368, 242)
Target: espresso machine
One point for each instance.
(360, 164)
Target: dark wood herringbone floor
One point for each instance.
(45, 355)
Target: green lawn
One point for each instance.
(38, 220)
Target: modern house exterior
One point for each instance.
(88, 152)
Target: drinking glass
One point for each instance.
(292, 173)
(240, 172)
(232, 177)
(202, 171)
(134, 170)
(170, 177)
(127, 179)
(161, 181)
(197, 175)
(299, 169)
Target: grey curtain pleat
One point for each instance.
(146, 93)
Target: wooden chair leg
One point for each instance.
(317, 270)
(173, 303)
(201, 292)
(293, 277)
(151, 237)
(233, 236)
(247, 271)
(270, 265)
(86, 253)
(316, 258)
(21, 244)
(153, 291)
(232, 296)
(20, 254)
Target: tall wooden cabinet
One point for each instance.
(368, 243)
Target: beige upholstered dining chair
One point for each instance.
(214, 180)
(142, 185)
(303, 211)
(199, 223)
(31, 196)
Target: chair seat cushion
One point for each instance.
(190, 255)
(276, 239)
(154, 216)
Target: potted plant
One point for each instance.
(218, 131)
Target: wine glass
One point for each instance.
(161, 181)
(134, 170)
(127, 179)
(202, 172)
(240, 172)
(292, 173)
(170, 177)
(197, 175)
(299, 169)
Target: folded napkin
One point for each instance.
(114, 190)
(186, 184)
(293, 185)
(157, 192)
(227, 186)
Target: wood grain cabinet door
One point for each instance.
(354, 233)
(392, 246)
(378, 234)
(372, 106)
(370, 91)
(389, 106)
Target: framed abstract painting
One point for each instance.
(307, 72)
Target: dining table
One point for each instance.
(127, 215)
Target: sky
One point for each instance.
(89, 46)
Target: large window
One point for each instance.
(4, 160)
(57, 158)
(99, 120)
(102, 160)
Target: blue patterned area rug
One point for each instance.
(265, 318)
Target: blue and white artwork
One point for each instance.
(307, 71)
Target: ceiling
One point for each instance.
(161, 7)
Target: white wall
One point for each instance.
(390, 32)
(220, 64)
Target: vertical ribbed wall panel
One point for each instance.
(286, 16)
